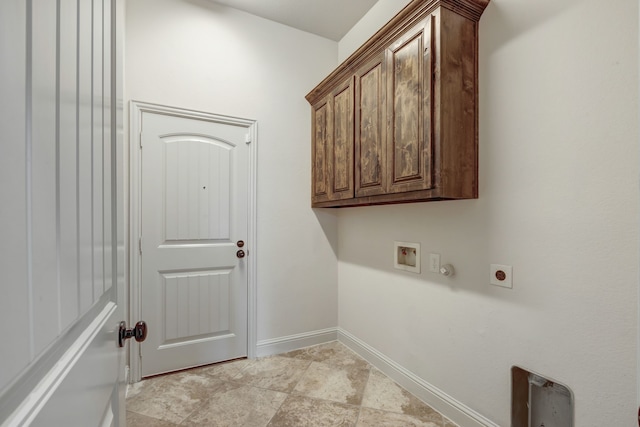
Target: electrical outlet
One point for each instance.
(501, 275)
(434, 263)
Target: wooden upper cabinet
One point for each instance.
(332, 145)
(320, 147)
(397, 122)
(371, 128)
(341, 153)
(409, 158)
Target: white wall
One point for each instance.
(558, 201)
(199, 55)
(375, 19)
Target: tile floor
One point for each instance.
(324, 385)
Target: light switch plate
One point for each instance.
(501, 275)
(434, 263)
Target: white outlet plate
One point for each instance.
(501, 275)
(434, 263)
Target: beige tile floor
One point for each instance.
(324, 385)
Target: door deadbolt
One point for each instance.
(240, 243)
(240, 254)
(139, 332)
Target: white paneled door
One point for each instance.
(62, 251)
(194, 240)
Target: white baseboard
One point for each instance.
(295, 342)
(456, 411)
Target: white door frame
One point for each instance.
(135, 182)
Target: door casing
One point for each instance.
(136, 109)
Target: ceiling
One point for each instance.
(327, 18)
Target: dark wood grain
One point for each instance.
(408, 137)
(332, 146)
(401, 119)
(319, 153)
(370, 140)
(406, 98)
(341, 161)
(457, 119)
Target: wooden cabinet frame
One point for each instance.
(409, 110)
(332, 145)
(413, 112)
(371, 128)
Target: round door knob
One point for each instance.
(138, 332)
(240, 254)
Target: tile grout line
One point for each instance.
(289, 392)
(332, 360)
(201, 406)
(364, 392)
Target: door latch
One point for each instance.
(139, 332)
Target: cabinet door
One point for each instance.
(409, 110)
(341, 142)
(370, 129)
(332, 149)
(320, 151)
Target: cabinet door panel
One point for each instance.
(409, 109)
(341, 163)
(371, 129)
(320, 150)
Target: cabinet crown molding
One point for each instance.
(407, 17)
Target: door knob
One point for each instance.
(240, 254)
(139, 332)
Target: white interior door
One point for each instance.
(62, 247)
(194, 211)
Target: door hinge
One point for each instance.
(247, 138)
(140, 245)
(140, 139)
